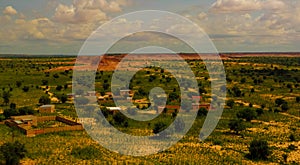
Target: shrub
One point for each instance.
(284, 107)
(259, 150)
(230, 103)
(63, 98)
(236, 126)
(292, 147)
(86, 153)
(26, 111)
(259, 111)
(25, 88)
(279, 102)
(18, 83)
(44, 100)
(158, 127)
(236, 91)
(298, 99)
(44, 82)
(13, 152)
(202, 112)
(292, 137)
(247, 114)
(2, 117)
(119, 118)
(10, 112)
(58, 87)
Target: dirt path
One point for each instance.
(289, 115)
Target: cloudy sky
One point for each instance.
(62, 26)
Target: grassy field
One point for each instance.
(253, 82)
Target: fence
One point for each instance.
(72, 126)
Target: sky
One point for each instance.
(62, 26)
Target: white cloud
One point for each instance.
(9, 10)
(87, 11)
(246, 5)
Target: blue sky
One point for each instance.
(62, 26)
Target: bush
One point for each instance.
(279, 102)
(236, 126)
(119, 118)
(292, 147)
(158, 127)
(259, 150)
(59, 88)
(284, 107)
(25, 88)
(230, 103)
(26, 111)
(292, 137)
(63, 98)
(259, 111)
(13, 152)
(10, 112)
(86, 153)
(18, 83)
(2, 117)
(202, 112)
(44, 100)
(298, 99)
(247, 114)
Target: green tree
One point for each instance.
(259, 150)
(237, 126)
(2, 117)
(25, 88)
(298, 99)
(159, 127)
(86, 153)
(13, 152)
(119, 118)
(284, 107)
(18, 83)
(230, 103)
(279, 102)
(202, 112)
(59, 88)
(6, 96)
(10, 112)
(63, 98)
(259, 111)
(26, 111)
(44, 100)
(247, 114)
(236, 91)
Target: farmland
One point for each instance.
(267, 85)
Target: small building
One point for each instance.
(25, 120)
(129, 98)
(114, 110)
(87, 121)
(125, 92)
(196, 99)
(47, 109)
(197, 106)
(101, 98)
(91, 93)
(160, 109)
(71, 95)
